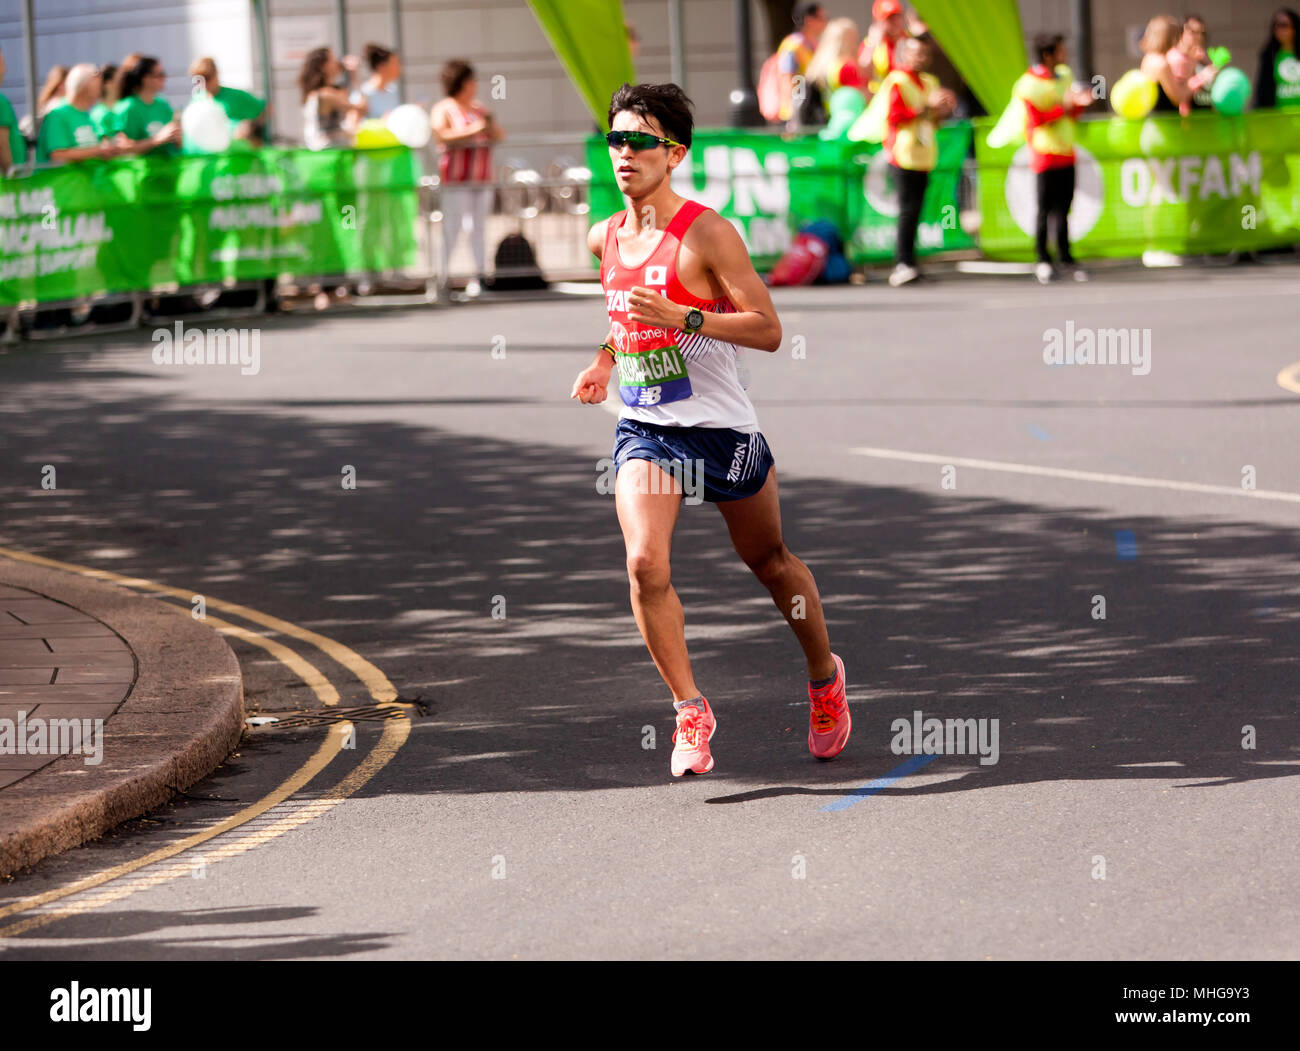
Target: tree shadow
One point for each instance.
(953, 606)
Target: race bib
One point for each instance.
(652, 377)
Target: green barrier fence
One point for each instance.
(1202, 184)
(139, 223)
(768, 184)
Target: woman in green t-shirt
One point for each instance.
(1277, 84)
(101, 113)
(13, 149)
(142, 114)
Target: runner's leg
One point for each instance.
(648, 502)
(755, 527)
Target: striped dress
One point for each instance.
(469, 160)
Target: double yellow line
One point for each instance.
(118, 881)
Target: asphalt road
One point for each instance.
(524, 817)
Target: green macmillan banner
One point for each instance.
(768, 185)
(1202, 184)
(146, 222)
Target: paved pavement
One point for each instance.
(109, 704)
(1141, 803)
(56, 662)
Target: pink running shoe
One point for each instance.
(691, 740)
(829, 723)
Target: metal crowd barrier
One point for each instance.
(550, 210)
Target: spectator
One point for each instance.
(241, 107)
(101, 113)
(834, 64)
(1277, 84)
(329, 115)
(465, 130)
(13, 147)
(1050, 105)
(916, 105)
(53, 90)
(889, 26)
(633, 41)
(1161, 35)
(796, 51)
(1190, 65)
(67, 133)
(381, 90)
(144, 117)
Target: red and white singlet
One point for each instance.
(667, 376)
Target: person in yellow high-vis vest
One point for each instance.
(1050, 104)
(916, 103)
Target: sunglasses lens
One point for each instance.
(638, 140)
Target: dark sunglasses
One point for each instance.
(638, 140)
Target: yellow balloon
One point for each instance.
(374, 135)
(1133, 96)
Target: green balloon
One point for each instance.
(846, 100)
(1230, 91)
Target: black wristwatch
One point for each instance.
(694, 319)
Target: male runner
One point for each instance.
(681, 295)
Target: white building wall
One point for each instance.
(501, 37)
(103, 31)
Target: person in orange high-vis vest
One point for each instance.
(1050, 105)
(916, 105)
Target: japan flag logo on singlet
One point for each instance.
(656, 275)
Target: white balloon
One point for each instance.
(410, 124)
(205, 126)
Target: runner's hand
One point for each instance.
(647, 307)
(590, 386)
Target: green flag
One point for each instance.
(590, 38)
(983, 40)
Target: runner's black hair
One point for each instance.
(666, 104)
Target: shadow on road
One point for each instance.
(956, 607)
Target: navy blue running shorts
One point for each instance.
(733, 464)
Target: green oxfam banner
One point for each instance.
(1189, 185)
(768, 185)
(135, 224)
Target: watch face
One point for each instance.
(694, 319)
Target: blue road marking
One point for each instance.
(1126, 545)
(909, 766)
(1039, 433)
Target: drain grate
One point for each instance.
(325, 716)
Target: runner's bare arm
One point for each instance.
(596, 238)
(596, 245)
(592, 382)
(717, 243)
